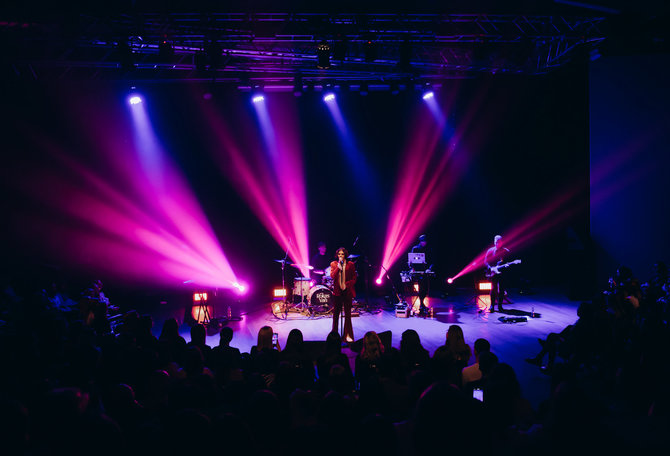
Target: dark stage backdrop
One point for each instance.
(630, 144)
(526, 141)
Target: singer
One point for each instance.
(343, 273)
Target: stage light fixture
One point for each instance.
(257, 98)
(450, 280)
(279, 293)
(135, 99)
(323, 55)
(427, 95)
(330, 96)
(200, 296)
(165, 50)
(378, 281)
(241, 288)
(484, 285)
(370, 51)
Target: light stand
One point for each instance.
(395, 291)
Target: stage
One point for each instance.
(511, 342)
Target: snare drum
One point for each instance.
(327, 280)
(301, 286)
(320, 298)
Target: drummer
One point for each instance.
(320, 262)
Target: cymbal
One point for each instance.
(283, 261)
(352, 256)
(298, 265)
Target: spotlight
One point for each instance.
(378, 281)
(323, 55)
(241, 288)
(330, 96)
(200, 296)
(450, 280)
(279, 293)
(257, 98)
(428, 95)
(135, 99)
(484, 285)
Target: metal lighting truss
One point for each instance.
(274, 48)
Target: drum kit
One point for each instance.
(312, 296)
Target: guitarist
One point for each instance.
(496, 256)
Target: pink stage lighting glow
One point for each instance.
(428, 173)
(124, 211)
(557, 212)
(269, 176)
(378, 281)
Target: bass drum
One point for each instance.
(320, 299)
(327, 280)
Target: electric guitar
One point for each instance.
(495, 270)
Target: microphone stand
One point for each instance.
(283, 285)
(367, 275)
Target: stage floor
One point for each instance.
(511, 342)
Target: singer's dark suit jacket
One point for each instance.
(349, 277)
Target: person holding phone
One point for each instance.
(343, 273)
(264, 356)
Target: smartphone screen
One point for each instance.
(478, 394)
(275, 338)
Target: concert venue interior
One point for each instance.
(180, 167)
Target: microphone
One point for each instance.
(354, 244)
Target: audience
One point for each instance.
(472, 372)
(449, 360)
(73, 387)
